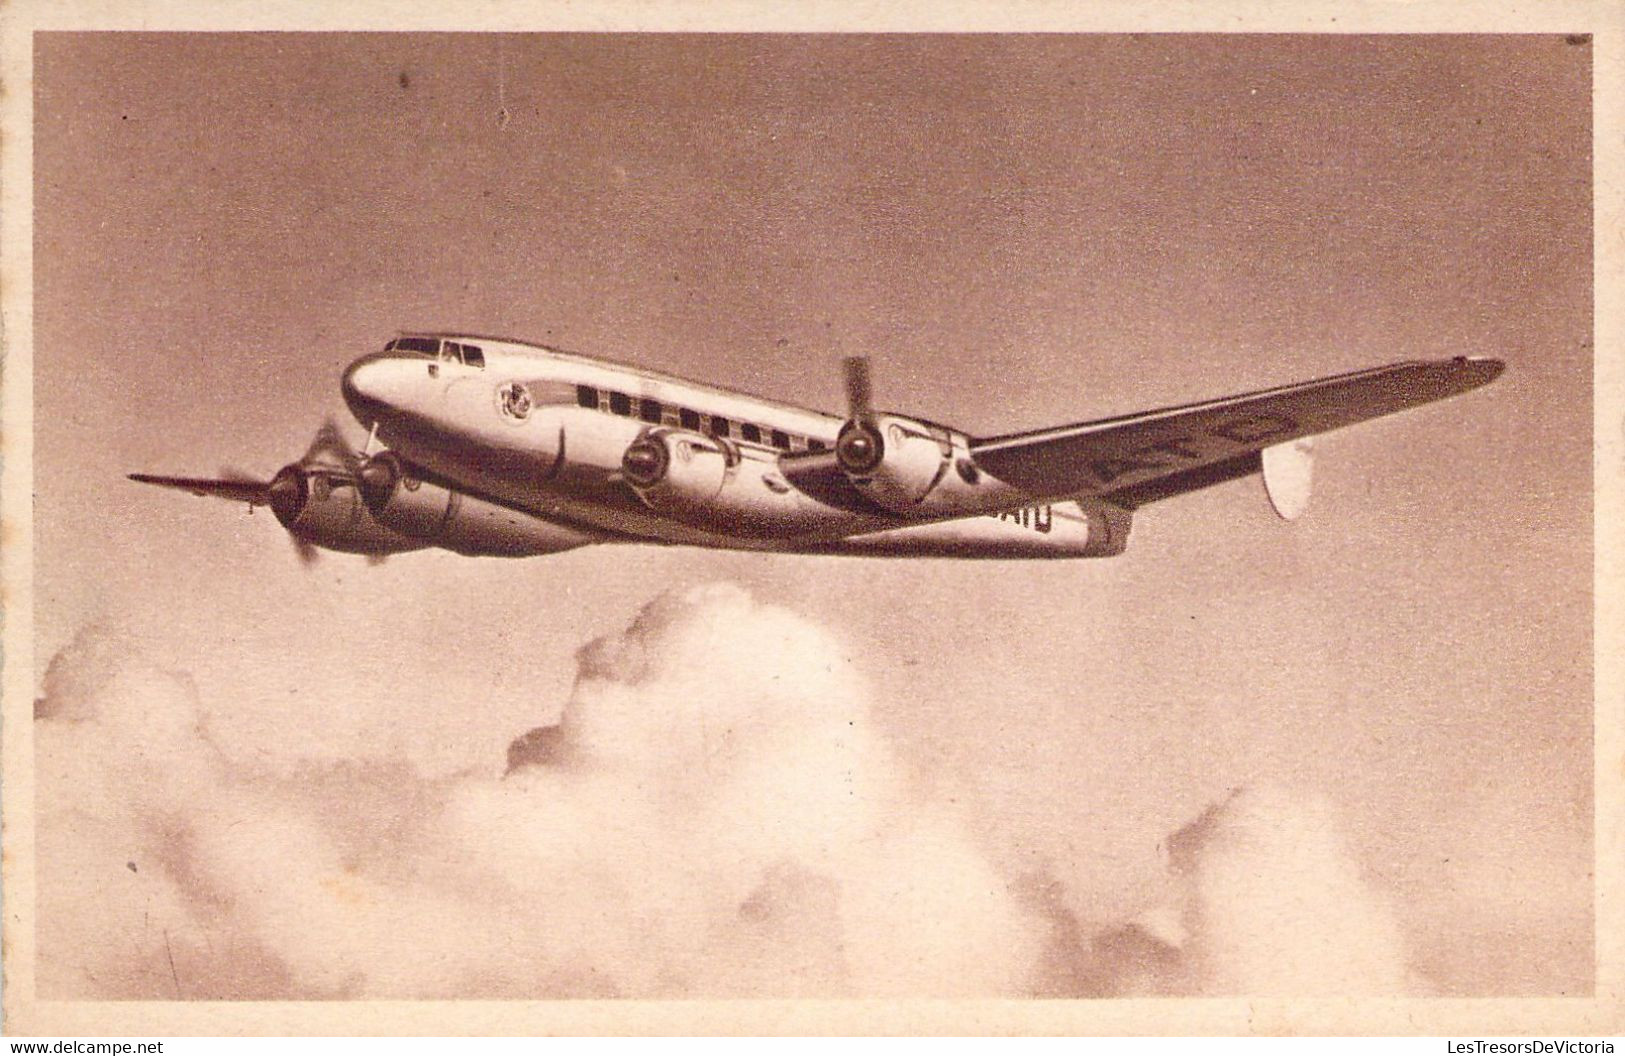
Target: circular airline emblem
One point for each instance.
(514, 400)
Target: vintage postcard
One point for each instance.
(627, 519)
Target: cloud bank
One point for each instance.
(1268, 901)
(714, 814)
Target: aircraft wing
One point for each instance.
(249, 491)
(1140, 458)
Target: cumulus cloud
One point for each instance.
(692, 825)
(1270, 901)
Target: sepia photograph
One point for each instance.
(598, 522)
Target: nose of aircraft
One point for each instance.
(367, 383)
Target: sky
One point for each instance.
(1020, 231)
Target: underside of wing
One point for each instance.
(250, 491)
(1141, 458)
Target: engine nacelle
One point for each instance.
(324, 507)
(454, 520)
(895, 461)
(677, 471)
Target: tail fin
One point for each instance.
(1288, 473)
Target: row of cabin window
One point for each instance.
(654, 412)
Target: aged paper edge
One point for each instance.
(1603, 1013)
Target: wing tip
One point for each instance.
(1480, 370)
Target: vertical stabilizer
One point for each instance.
(1288, 471)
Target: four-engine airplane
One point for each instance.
(495, 447)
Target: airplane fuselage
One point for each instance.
(576, 442)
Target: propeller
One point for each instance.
(328, 461)
(855, 373)
(329, 450)
(859, 448)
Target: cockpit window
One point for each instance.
(454, 352)
(431, 345)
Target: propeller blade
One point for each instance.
(331, 451)
(307, 551)
(855, 373)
